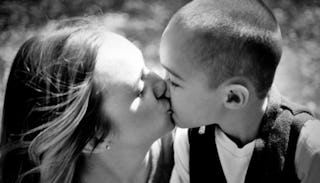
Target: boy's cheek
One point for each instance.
(181, 101)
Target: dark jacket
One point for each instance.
(274, 152)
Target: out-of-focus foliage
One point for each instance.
(298, 75)
(140, 20)
(143, 22)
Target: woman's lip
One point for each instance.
(166, 104)
(170, 113)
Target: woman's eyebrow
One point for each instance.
(173, 72)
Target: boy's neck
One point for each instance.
(244, 125)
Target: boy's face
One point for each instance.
(193, 103)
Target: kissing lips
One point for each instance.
(170, 112)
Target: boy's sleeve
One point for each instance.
(307, 158)
(180, 172)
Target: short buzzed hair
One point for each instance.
(233, 38)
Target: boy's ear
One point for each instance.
(235, 96)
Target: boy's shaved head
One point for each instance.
(230, 38)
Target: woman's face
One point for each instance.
(133, 97)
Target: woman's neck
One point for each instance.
(119, 164)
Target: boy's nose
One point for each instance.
(158, 85)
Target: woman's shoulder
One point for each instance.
(161, 160)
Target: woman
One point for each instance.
(80, 106)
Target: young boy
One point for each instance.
(221, 57)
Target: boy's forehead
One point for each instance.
(178, 49)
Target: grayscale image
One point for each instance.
(159, 91)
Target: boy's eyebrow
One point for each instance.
(172, 72)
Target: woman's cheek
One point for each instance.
(145, 108)
(136, 104)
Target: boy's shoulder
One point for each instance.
(277, 104)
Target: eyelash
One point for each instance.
(140, 90)
(140, 93)
(173, 84)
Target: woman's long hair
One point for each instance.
(51, 107)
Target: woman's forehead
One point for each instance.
(119, 61)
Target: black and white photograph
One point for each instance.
(159, 91)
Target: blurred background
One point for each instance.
(143, 21)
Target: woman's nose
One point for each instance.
(158, 85)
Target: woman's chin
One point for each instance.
(169, 122)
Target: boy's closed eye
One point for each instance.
(173, 84)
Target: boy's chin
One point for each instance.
(185, 124)
(191, 124)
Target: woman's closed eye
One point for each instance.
(140, 93)
(140, 89)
